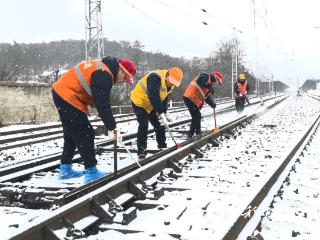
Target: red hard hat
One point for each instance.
(129, 68)
(218, 77)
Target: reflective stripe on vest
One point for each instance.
(139, 95)
(146, 91)
(81, 78)
(196, 93)
(199, 89)
(242, 88)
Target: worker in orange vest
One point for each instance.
(240, 88)
(89, 83)
(198, 92)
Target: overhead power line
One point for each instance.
(188, 15)
(201, 21)
(147, 16)
(215, 17)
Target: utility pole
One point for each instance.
(258, 86)
(272, 83)
(93, 30)
(234, 66)
(257, 50)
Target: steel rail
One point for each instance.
(25, 170)
(244, 219)
(58, 125)
(104, 191)
(52, 157)
(13, 142)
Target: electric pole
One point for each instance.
(234, 66)
(93, 30)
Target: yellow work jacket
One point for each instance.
(139, 95)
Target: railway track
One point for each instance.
(54, 128)
(29, 150)
(25, 194)
(134, 185)
(291, 208)
(19, 172)
(22, 137)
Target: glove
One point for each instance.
(113, 136)
(240, 94)
(213, 104)
(169, 119)
(162, 119)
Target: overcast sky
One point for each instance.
(280, 40)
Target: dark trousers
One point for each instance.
(143, 118)
(239, 103)
(77, 133)
(195, 115)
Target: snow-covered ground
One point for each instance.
(223, 177)
(295, 212)
(222, 183)
(105, 159)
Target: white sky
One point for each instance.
(288, 47)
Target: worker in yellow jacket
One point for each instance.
(149, 102)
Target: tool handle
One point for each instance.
(124, 146)
(174, 140)
(215, 119)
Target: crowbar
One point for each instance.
(178, 145)
(129, 153)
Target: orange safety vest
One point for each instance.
(196, 93)
(75, 85)
(242, 89)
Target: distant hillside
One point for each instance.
(40, 61)
(310, 84)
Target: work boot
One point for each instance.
(142, 154)
(162, 146)
(67, 172)
(92, 174)
(189, 136)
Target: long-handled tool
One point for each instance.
(178, 145)
(216, 129)
(247, 100)
(129, 153)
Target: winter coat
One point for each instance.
(90, 83)
(151, 92)
(199, 90)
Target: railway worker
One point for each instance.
(89, 83)
(198, 92)
(240, 88)
(149, 103)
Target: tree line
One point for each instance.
(20, 61)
